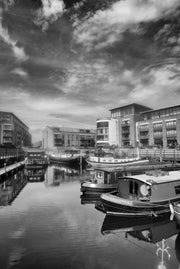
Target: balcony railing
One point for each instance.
(158, 134)
(143, 136)
(125, 132)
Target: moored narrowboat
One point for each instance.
(104, 180)
(104, 162)
(36, 158)
(142, 195)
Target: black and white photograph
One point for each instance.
(90, 134)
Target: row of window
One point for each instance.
(102, 124)
(161, 113)
(122, 112)
(102, 137)
(160, 133)
(159, 125)
(102, 131)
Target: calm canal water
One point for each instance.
(44, 223)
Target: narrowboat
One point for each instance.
(68, 157)
(35, 158)
(104, 180)
(142, 195)
(103, 162)
(150, 230)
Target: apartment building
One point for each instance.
(120, 128)
(160, 127)
(55, 138)
(13, 131)
(107, 132)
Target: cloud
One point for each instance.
(20, 72)
(18, 51)
(106, 26)
(51, 10)
(157, 83)
(8, 3)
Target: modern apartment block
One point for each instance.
(55, 138)
(159, 127)
(120, 128)
(107, 132)
(134, 124)
(13, 131)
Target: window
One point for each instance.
(171, 133)
(157, 126)
(102, 124)
(177, 189)
(171, 124)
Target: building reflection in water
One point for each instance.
(35, 175)
(58, 174)
(11, 187)
(150, 230)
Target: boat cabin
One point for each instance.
(103, 176)
(150, 187)
(36, 157)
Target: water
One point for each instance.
(44, 223)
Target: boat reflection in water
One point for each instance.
(35, 175)
(57, 174)
(147, 229)
(177, 248)
(89, 199)
(11, 187)
(150, 230)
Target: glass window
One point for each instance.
(102, 124)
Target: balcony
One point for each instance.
(125, 124)
(126, 131)
(144, 136)
(158, 134)
(171, 127)
(171, 133)
(125, 138)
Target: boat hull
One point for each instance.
(89, 199)
(115, 164)
(75, 160)
(176, 212)
(90, 188)
(116, 206)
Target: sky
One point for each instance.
(68, 62)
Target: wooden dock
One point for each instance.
(11, 168)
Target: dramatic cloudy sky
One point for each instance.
(66, 63)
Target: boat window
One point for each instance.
(177, 189)
(133, 187)
(136, 188)
(130, 187)
(99, 174)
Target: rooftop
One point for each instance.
(159, 109)
(12, 114)
(132, 105)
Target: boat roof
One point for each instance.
(150, 178)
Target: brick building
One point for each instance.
(13, 131)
